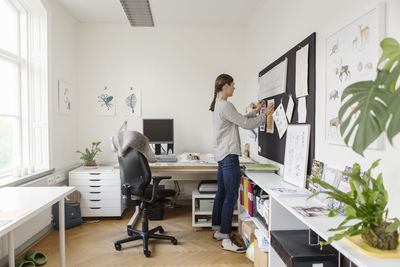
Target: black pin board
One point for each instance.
(270, 145)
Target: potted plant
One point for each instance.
(368, 109)
(88, 155)
(366, 204)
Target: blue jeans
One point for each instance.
(227, 194)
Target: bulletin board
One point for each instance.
(269, 144)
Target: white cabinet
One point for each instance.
(100, 191)
(202, 210)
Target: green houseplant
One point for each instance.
(88, 155)
(369, 108)
(366, 204)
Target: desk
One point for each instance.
(283, 217)
(27, 202)
(184, 171)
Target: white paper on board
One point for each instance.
(302, 72)
(289, 109)
(273, 82)
(280, 120)
(302, 110)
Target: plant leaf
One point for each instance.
(368, 115)
(393, 110)
(393, 226)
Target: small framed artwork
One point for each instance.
(64, 98)
(296, 154)
(105, 103)
(133, 102)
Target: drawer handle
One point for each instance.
(94, 192)
(94, 180)
(95, 173)
(94, 200)
(95, 208)
(94, 185)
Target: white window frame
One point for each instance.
(33, 139)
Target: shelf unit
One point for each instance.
(197, 214)
(283, 217)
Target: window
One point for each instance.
(23, 86)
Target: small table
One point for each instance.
(20, 204)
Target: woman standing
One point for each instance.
(226, 152)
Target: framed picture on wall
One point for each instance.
(296, 154)
(64, 98)
(105, 103)
(352, 54)
(132, 102)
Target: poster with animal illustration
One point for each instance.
(105, 103)
(296, 154)
(64, 98)
(132, 102)
(352, 55)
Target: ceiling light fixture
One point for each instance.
(138, 12)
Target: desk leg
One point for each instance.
(11, 255)
(61, 219)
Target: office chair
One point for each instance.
(137, 191)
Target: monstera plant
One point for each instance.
(372, 107)
(369, 108)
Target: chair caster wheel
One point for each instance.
(174, 242)
(161, 230)
(147, 253)
(117, 247)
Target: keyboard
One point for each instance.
(166, 158)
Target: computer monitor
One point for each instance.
(159, 131)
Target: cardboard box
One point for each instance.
(248, 228)
(260, 257)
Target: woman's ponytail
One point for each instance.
(221, 80)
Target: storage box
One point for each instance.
(206, 204)
(248, 228)
(293, 248)
(260, 257)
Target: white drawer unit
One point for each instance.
(100, 191)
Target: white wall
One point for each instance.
(277, 27)
(62, 66)
(175, 69)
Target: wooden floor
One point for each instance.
(92, 244)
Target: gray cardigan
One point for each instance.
(226, 122)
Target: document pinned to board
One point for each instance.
(270, 120)
(302, 72)
(280, 120)
(289, 109)
(273, 82)
(302, 110)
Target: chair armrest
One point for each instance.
(156, 180)
(159, 178)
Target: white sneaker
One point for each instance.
(232, 245)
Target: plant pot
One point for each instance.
(382, 240)
(90, 165)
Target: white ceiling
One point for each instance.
(168, 12)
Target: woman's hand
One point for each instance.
(251, 106)
(269, 109)
(259, 105)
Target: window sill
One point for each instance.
(16, 181)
